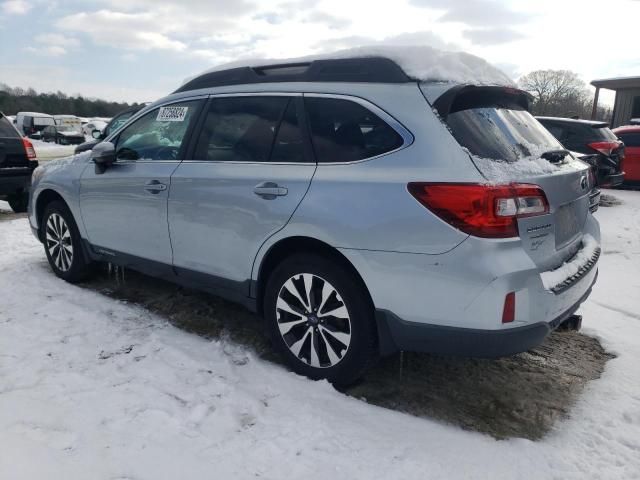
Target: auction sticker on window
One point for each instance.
(172, 114)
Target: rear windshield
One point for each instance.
(501, 132)
(6, 129)
(603, 133)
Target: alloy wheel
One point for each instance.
(313, 320)
(59, 243)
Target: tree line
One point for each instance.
(561, 93)
(14, 100)
(556, 93)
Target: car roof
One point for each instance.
(575, 121)
(627, 129)
(34, 114)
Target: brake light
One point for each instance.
(29, 150)
(488, 211)
(509, 309)
(605, 148)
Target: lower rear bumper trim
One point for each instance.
(397, 334)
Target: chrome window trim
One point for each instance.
(400, 129)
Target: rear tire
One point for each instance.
(18, 202)
(63, 244)
(320, 319)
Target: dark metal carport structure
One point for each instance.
(627, 102)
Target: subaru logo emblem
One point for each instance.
(583, 182)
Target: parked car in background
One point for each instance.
(90, 126)
(63, 134)
(17, 162)
(630, 135)
(359, 211)
(596, 143)
(115, 123)
(31, 124)
(69, 121)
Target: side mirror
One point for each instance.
(97, 134)
(103, 155)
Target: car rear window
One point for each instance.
(6, 129)
(345, 131)
(603, 133)
(500, 132)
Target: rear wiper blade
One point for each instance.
(555, 156)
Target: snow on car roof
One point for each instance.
(421, 63)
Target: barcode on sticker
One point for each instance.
(172, 114)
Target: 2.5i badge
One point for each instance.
(172, 114)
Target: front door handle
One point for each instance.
(154, 186)
(269, 190)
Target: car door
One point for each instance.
(632, 156)
(124, 208)
(252, 165)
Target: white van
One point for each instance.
(31, 124)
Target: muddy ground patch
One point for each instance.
(520, 396)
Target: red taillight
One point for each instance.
(509, 310)
(28, 148)
(605, 148)
(489, 211)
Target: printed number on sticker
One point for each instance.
(172, 114)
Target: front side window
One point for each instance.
(158, 135)
(250, 129)
(117, 122)
(345, 131)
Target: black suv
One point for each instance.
(17, 162)
(596, 143)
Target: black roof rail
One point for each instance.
(365, 69)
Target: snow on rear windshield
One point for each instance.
(418, 62)
(507, 134)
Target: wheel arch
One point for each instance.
(295, 245)
(45, 198)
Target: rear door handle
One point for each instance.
(154, 186)
(269, 190)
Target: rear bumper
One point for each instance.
(612, 180)
(442, 340)
(14, 180)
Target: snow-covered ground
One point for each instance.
(50, 151)
(95, 388)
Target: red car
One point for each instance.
(630, 135)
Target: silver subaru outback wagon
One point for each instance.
(359, 210)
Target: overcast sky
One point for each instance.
(140, 50)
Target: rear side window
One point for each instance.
(6, 129)
(345, 131)
(244, 129)
(556, 130)
(631, 139)
(500, 132)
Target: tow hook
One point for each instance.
(571, 324)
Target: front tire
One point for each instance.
(320, 319)
(63, 244)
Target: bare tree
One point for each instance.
(557, 92)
